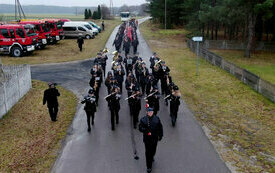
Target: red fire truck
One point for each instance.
(43, 31)
(56, 29)
(17, 39)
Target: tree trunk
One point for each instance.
(251, 31)
(207, 32)
(224, 34)
(212, 32)
(216, 31)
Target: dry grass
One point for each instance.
(66, 50)
(237, 116)
(261, 63)
(29, 141)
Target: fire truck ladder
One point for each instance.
(19, 12)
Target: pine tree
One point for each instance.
(98, 12)
(95, 15)
(89, 14)
(86, 15)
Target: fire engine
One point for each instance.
(16, 39)
(43, 31)
(56, 29)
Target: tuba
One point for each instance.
(115, 53)
(157, 66)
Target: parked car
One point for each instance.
(87, 25)
(16, 40)
(74, 29)
(95, 26)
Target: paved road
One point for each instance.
(184, 149)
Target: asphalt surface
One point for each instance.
(184, 148)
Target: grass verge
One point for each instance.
(261, 63)
(29, 141)
(241, 121)
(66, 50)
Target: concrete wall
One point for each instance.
(237, 45)
(16, 83)
(263, 87)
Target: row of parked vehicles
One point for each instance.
(27, 35)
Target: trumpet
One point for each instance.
(105, 50)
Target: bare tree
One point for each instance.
(105, 12)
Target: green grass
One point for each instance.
(261, 63)
(66, 50)
(29, 141)
(235, 114)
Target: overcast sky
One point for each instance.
(83, 3)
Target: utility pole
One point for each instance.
(19, 10)
(165, 15)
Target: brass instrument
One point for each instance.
(157, 65)
(105, 50)
(115, 53)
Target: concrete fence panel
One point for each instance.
(267, 89)
(251, 79)
(16, 83)
(264, 87)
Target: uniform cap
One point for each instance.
(150, 109)
(91, 91)
(175, 87)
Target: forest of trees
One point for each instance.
(246, 20)
(95, 15)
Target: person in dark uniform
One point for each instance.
(119, 75)
(102, 25)
(151, 127)
(153, 60)
(135, 105)
(96, 81)
(143, 74)
(126, 46)
(101, 60)
(108, 81)
(50, 97)
(114, 105)
(153, 99)
(80, 42)
(128, 63)
(149, 83)
(174, 99)
(90, 107)
(117, 43)
(138, 66)
(164, 74)
(135, 43)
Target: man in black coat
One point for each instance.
(80, 42)
(50, 97)
(114, 105)
(151, 128)
(90, 107)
